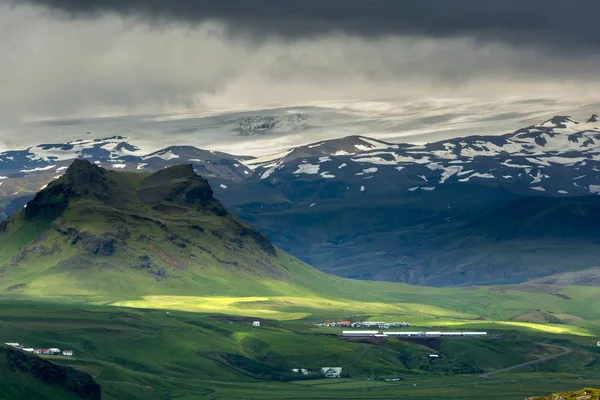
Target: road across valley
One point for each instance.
(565, 350)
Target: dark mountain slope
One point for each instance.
(23, 376)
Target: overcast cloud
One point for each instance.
(116, 57)
(549, 23)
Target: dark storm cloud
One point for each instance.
(548, 23)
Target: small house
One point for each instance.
(53, 351)
(434, 356)
(332, 372)
(68, 353)
(344, 324)
(598, 344)
(28, 349)
(256, 324)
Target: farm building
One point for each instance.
(302, 371)
(256, 324)
(68, 353)
(360, 333)
(332, 372)
(15, 345)
(412, 334)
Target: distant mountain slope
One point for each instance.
(99, 232)
(23, 376)
(363, 208)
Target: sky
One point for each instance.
(65, 59)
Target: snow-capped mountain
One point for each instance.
(461, 211)
(560, 156)
(24, 172)
(468, 210)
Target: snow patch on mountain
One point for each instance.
(307, 169)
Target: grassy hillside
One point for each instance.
(23, 376)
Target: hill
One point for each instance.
(94, 231)
(23, 376)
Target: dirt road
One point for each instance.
(565, 350)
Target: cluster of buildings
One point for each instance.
(328, 372)
(366, 324)
(50, 352)
(377, 334)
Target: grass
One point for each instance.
(189, 355)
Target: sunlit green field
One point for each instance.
(182, 347)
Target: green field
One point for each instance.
(155, 353)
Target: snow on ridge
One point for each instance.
(165, 155)
(119, 166)
(342, 153)
(595, 189)
(141, 165)
(342, 165)
(308, 169)
(508, 164)
(312, 146)
(537, 178)
(362, 188)
(563, 192)
(3, 177)
(327, 175)
(427, 188)
(223, 186)
(268, 172)
(49, 167)
(477, 175)
(324, 159)
(538, 161)
(368, 171)
(538, 188)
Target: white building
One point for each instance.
(54, 350)
(434, 356)
(16, 345)
(359, 333)
(256, 324)
(598, 344)
(302, 371)
(332, 372)
(28, 349)
(68, 353)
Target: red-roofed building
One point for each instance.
(344, 324)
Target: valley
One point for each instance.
(154, 285)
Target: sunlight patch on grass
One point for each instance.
(220, 304)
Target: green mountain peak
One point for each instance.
(100, 232)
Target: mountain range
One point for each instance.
(474, 210)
